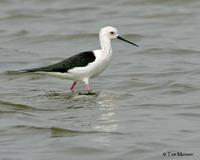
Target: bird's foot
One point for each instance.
(88, 93)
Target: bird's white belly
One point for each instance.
(92, 69)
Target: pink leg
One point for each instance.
(72, 87)
(88, 87)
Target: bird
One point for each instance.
(85, 65)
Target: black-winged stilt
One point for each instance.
(86, 65)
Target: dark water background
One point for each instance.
(146, 103)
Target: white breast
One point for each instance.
(92, 69)
(101, 62)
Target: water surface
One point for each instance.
(146, 103)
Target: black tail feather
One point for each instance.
(33, 70)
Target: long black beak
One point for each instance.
(118, 37)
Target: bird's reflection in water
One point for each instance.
(108, 122)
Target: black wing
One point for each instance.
(79, 60)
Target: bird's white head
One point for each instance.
(108, 32)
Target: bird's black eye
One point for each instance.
(111, 32)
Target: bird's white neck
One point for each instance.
(105, 44)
